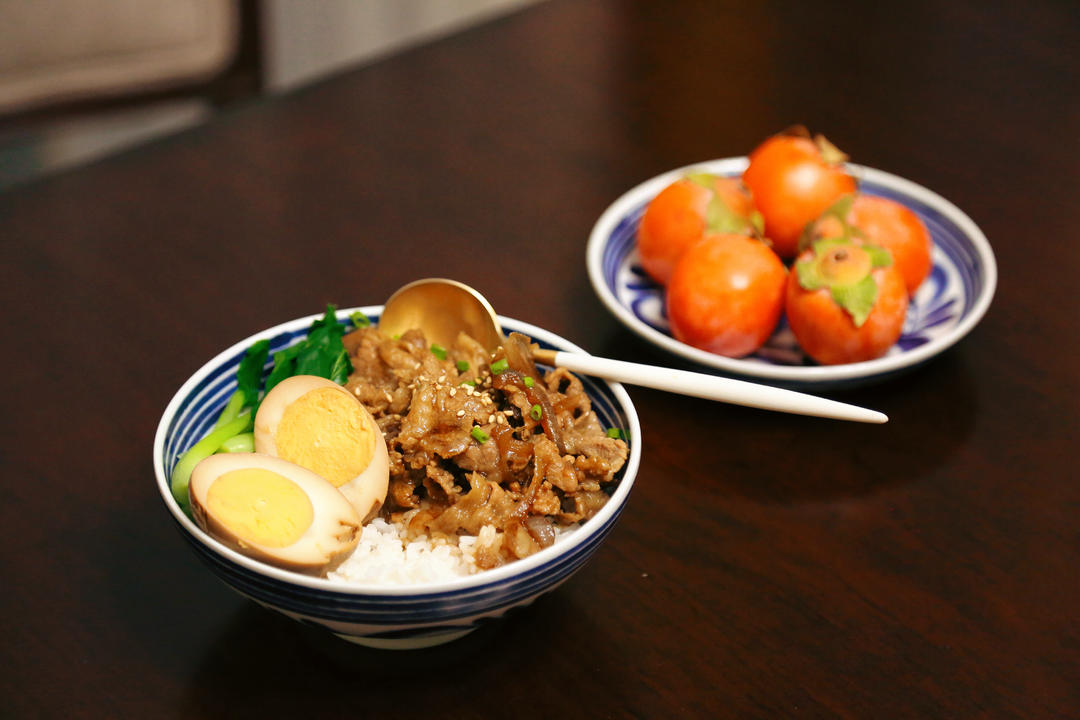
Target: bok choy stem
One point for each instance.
(242, 443)
(232, 408)
(206, 447)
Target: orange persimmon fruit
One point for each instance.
(845, 302)
(684, 212)
(726, 294)
(793, 180)
(882, 222)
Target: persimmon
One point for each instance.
(845, 302)
(793, 180)
(687, 210)
(882, 222)
(726, 294)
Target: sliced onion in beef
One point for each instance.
(513, 453)
(519, 355)
(541, 529)
(537, 396)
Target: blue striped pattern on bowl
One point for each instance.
(375, 615)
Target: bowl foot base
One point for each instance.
(413, 643)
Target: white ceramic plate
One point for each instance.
(946, 307)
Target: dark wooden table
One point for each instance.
(767, 565)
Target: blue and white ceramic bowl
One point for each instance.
(946, 307)
(389, 617)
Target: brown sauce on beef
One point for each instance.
(510, 456)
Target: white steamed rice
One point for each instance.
(385, 557)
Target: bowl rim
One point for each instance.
(486, 578)
(640, 193)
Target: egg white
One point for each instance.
(329, 539)
(367, 490)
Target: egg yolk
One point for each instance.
(260, 506)
(327, 432)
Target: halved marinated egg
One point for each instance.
(273, 510)
(316, 423)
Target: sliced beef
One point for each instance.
(506, 457)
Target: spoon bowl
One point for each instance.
(442, 308)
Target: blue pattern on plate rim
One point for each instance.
(956, 282)
(427, 616)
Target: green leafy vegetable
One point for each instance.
(249, 374)
(321, 353)
(339, 371)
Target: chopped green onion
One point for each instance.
(359, 319)
(615, 433)
(529, 382)
(438, 351)
(462, 365)
(481, 436)
(499, 366)
(470, 383)
(536, 412)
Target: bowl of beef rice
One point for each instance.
(505, 477)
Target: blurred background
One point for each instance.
(80, 79)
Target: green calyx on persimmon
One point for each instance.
(833, 224)
(845, 269)
(829, 152)
(721, 217)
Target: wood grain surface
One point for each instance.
(766, 565)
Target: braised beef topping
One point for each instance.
(510, 457)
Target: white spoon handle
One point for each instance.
(713, 387)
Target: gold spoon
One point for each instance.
(442, 308)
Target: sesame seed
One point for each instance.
(461, 413)
(453, 392)
(491, 418)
